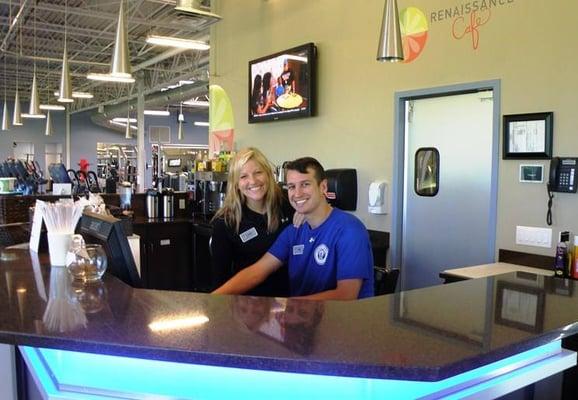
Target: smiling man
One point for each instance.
(329, 256)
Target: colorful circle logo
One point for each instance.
(413, 32)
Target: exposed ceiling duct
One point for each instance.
(160, 99)
(192, 8)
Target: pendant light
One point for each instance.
(48, 130)
(34, 108)
(121, 60)
(5, 124)
(17, 118)
(181, 120)
(65, 93)
(48, 106)
(390, 47)
(120, 69)
(127, 134)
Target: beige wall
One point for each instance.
(529, 45)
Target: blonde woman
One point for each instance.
(253, 215)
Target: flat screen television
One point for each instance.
(107, 231)
(282, 85)
(174, 162)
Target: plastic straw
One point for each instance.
(62, 217)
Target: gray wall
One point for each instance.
(85, 134)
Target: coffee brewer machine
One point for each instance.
(210, 189)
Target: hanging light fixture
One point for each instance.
(181, 118)
(48, 130)
(120, 69)
(17, 118)
(127, 128)
(34, 108)
(65, 93)
(47, 106)
(390, 47)
(5, 124)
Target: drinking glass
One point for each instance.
(88, 263)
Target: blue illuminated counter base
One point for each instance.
(72, 375)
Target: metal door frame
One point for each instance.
(399, 139)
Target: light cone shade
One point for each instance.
(48, 130)
(65, 92)
(5, 119)
(17, 118)
(127, 134)
(390, 47)
(34, 108)
(180, 131)
(121, 60)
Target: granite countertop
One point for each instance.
(426, 334)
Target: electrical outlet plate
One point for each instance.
(182, 204)
(533, 236)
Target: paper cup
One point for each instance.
(58, 244)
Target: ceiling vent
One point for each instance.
(192, 8)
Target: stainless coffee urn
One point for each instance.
(168, 200)
(152, 197)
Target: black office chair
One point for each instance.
(385, 280)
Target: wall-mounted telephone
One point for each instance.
(563, 174)
(562, 179)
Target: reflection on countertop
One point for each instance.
(424, 334)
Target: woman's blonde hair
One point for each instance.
(234, 199)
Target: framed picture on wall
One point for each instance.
(528, 136)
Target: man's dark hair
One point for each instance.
(302, 164)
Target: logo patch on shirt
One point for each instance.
(298, 249)
(321, 252)
(248, 235)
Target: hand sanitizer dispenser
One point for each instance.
(378, 197)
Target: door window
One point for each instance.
(426, 180)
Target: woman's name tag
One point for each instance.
(248, 235)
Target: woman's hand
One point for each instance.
(298, 219)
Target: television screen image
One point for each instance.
(282, 85)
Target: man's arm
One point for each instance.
(249, 277)
(347, 289)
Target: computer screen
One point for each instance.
(107, 231)
(58, 173)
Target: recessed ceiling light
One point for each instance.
(177, 42)
(161, 113)
(123, 119)
(198, 103)
(33, 116)
(52, 107)
(122, 78)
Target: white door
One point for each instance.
(448, 199)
